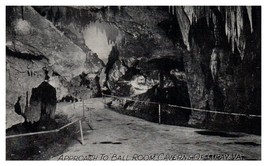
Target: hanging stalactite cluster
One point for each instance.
(113, 34)
(236, 20)
(233, 18)
(62, 16)
(81, 17)
(234, 27)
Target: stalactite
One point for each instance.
(184, 22)
(233, 22)
(233, 30)
(249, 11)
(108, 13)
(188, 10)
(200, 12)
(213, 17)
(54, 11)
(241, 41)
(22, 12)
(220, 8)
(228, 24)
(239, 18)
(207, 15)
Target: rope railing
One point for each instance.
(218, 112)
(51, 131)
(187, 108)
(129, 99)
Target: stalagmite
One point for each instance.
(34, 114)
(214, 62)
(42, 102)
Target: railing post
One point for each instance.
(159, 113)
(105, 99)
(81, 131)
(105, 102)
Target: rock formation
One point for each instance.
(34, 43)
(42, 103)
(212, 57)
(222, 71)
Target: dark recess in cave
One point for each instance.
(112, 58)
(69, 98)
(18, 107)
(24, 55)
(84, 81)
(172, 31)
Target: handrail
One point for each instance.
(188, 108)
(44, 132)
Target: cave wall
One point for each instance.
(221, 54)
(33, 43)
(143, 39)
(201, 39)
(235, 85)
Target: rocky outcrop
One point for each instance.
(85, 86)
(33, 45)
(219, 63)
(143, 40)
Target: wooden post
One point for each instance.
(89, 117)
(161, 80)
(81, 131)
(89, 114)
(159, 113)
(161, 85)
(105, 102)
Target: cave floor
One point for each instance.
(120, 137)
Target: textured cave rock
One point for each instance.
(34, 43)
(228, 89)
(217, 51)
(203, 37)
(85, 86)
(42, 104)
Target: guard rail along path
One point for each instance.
(183, 107)
(52, 131)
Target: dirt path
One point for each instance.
(121, 137)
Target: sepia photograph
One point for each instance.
(133, 83)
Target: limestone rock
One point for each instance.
(34, 43)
